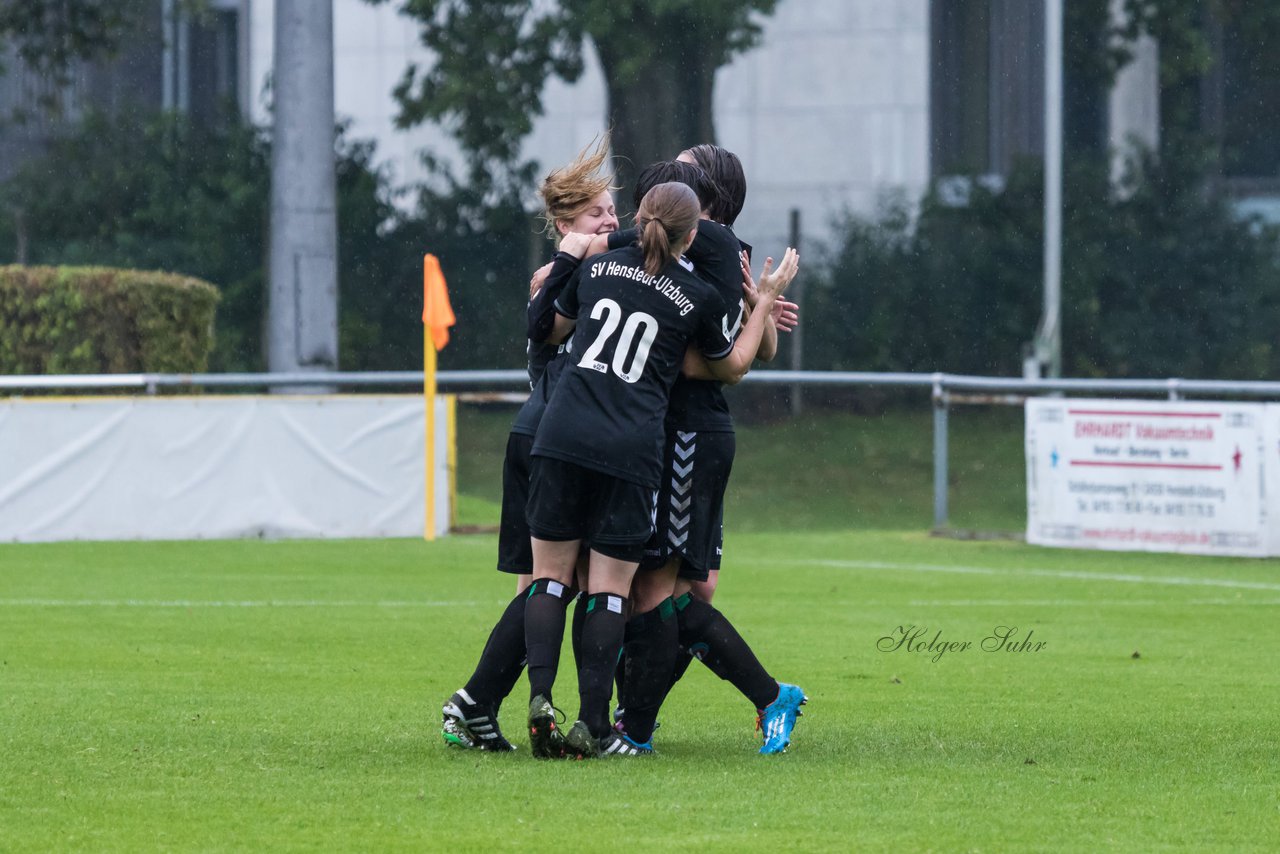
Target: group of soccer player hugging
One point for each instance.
(616, 466)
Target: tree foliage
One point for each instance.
(178, 196)
(50, 37)
(493, 58)
(1161, 280)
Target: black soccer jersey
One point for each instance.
(544, 359)
(530, 414)
(540, 356)
(541, 314)
(700, 404)
(606, 412)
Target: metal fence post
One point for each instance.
(939, 454)
(797, 334)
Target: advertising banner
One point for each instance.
(1147, 475)
(219, 467)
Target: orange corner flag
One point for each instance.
(437, 314)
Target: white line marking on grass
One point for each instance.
(193, 603)
(1071, 603)
(1171, 580)
(1031, 603)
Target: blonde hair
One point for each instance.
(667, 214)
(568, 191)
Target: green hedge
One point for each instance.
(91, 320)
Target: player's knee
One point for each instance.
(705, 590)
(693, 616)
(650, 588)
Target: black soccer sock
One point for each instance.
(651, 649)
(544, 608)
(706, 633)
(620, 672)
(601, 642)
(683, 660)
(502, 659)
(575, 629)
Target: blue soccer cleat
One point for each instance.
(778, 719)
(620, 744)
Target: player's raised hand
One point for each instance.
(786, 315)
(773, 282)
(539, 276)
(749, 292)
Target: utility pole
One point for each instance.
(1046, 351)
(302, 313)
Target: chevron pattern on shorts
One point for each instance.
(681, 488)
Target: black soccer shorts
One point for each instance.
(515, 554)
(570, 502)
(690, 522)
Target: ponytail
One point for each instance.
(667, 213)
(656, 245)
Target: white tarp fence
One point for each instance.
(1146, 475)
(219, 467)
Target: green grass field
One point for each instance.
(254, 696)
(823, 471)
(284, 696)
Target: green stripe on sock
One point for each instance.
(667, 608)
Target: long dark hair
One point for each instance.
(725, 169)
(709, 194)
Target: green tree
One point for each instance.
(183, 197)
(51, 36)
(493, 57)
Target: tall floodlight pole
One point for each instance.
(302, 313)
(1048, 344)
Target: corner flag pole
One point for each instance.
(437, 317)
(429, 455)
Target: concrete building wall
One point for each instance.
(829, 112)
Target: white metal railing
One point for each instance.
(944, 388)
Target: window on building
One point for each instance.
(987, 84)
(1243, 106)
(213, 60)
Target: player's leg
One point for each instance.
(651, 648)
(470, 716)
(621, 523)
(602, 632)
(706, 590)
(545, 606)
(707, 634)
(544, 618)
(555, 509)
(696, 515)
(579, 604)
(704, 632)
